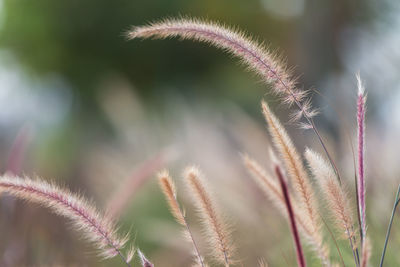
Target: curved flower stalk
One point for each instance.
(256, 57)
(95, 227)
(253, 55)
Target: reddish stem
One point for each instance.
(299, 250)
(361, 144)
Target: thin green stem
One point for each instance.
(334, 240)
(396, 203)
(123, 258)
(194, 242)
(356, 248)
(321, 141)
(352, 245)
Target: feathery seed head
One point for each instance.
(299, 177)
(96, 228)
(291, 159)
(265, 181)
(130, 254)
(255, 56)
(334, 194)
(215, 228)
(274, 193)
(168, 188)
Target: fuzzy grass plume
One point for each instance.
(255, 56)
(168, 188)
(216, 230)
(335, 196)
(273, 191)
(96, 228)
(265, 181)
(298, 175)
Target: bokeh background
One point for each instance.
(81, 105)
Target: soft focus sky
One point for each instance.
(92, 107)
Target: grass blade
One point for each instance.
(396, 203)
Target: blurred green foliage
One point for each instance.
(84, 41)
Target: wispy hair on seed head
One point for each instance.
(215, 228)
(291, 160)
(255, 56)
(265, 182)
(97, 228)
(168, 187)
(169, 191)
(299, 177)
(335, 196)
(273, 192)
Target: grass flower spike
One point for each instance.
(335, 196)
(361, 99)
(255, 56)
(95, 227)
(215, 228)
(298, 175)
(265, 182)
(333, 192)
(273, 191)
(169, 191)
